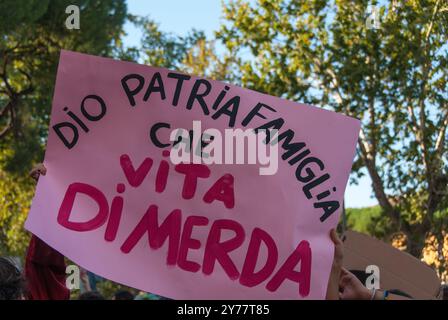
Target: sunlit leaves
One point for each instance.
(394, 79)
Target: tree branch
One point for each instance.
(8, 126)
(378, 188)
(377, 184)
(5, 109)
(441, 134)
(3, 75)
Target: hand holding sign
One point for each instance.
(38, 170)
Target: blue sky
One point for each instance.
(180, 16)
(176, 16)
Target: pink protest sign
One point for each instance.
(114, 202)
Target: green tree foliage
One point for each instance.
(370, 220)
(15, 13)
(162, 49)
(32, 35)
(15, 198)
(192, 54)
(201, 59)
(393, 78)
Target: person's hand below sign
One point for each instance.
(351, 288)
(44, 266)
(335, 274)
(38, 170)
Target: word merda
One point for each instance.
(176, 229)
